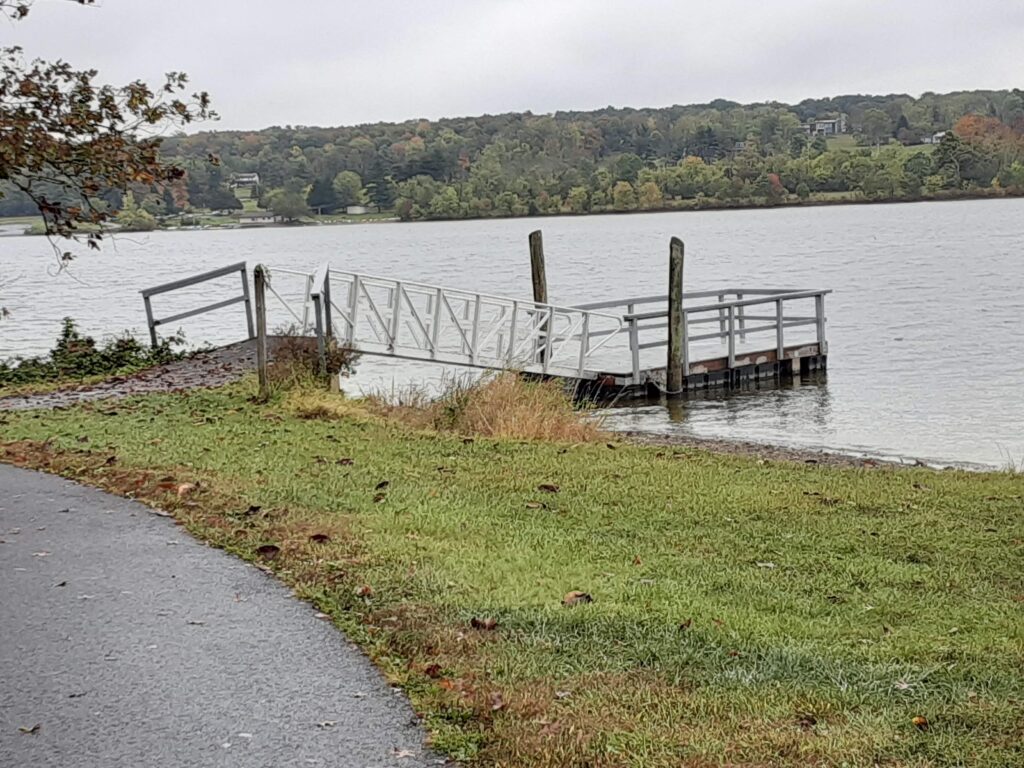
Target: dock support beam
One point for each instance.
(540, 287)
(674, 374)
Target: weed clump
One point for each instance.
(503, 405)
(296, 360)
(76, 356)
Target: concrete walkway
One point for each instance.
(125, 642)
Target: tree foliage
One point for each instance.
(704, 155)
(71, 146)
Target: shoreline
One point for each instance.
(743, 206)
(812, 456)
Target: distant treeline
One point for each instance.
(704, 155)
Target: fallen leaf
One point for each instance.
(611, 446)
(29, 729)
(40, 554)
(196, 622)
(61, 584)
(576, 598)
(378, 498)
(920, 722)
(765, 565)
(382, 485)
(637, 560)
(685, 625)
(185, 489)
(807, 722)
(432, 670)
(345, 462)
(488, 623)
(536, 505)
(327, 724)
(268, 551)
(467, 441)
(403, 753)
(364, 591)
(548, 488)
(497, 702)
(319, 538)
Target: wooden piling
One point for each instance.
(674, 375)
(540, 286)
(260, 284)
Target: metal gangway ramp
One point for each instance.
(419, 321)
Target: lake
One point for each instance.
(925, 326)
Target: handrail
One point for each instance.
(147, 294)
(453, 325)
(766, 299)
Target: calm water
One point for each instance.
(925, 325)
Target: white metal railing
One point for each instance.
(419, 321)
(735, 312)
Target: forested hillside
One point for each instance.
(706, 155)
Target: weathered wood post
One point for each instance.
(259, 278)
(540, 286)
(674, 375)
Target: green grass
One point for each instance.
(745, 613)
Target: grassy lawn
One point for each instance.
(744, 613)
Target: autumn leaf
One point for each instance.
(576, 598)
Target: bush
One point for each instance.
(503, 405)
(75, 356)
(296, 360)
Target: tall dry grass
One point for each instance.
(503, 405)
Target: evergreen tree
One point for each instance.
(322, 196)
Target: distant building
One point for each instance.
(359, 210)
(827, 126)
(245, 180)
(935, 138)
(257, 217)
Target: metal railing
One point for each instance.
(419, 321)
(733, 310)
(185, 282)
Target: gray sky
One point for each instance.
(333, 62)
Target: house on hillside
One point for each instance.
(244, 180)
(825, 126)
(257, 217)
(359, 210)
(935, 138)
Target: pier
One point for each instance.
(682, 341)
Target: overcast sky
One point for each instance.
(333, 62)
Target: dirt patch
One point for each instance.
(212, 368)
(768, 452)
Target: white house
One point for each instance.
(257, 217)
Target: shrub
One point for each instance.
(503, 405)
(296, 360)
(75, 356)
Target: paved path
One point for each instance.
(131, 644)
(205, 369)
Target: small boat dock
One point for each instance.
(679, 342)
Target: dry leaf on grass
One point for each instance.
(268, 551)
(576, 598)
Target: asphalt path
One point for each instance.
(126, 642)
